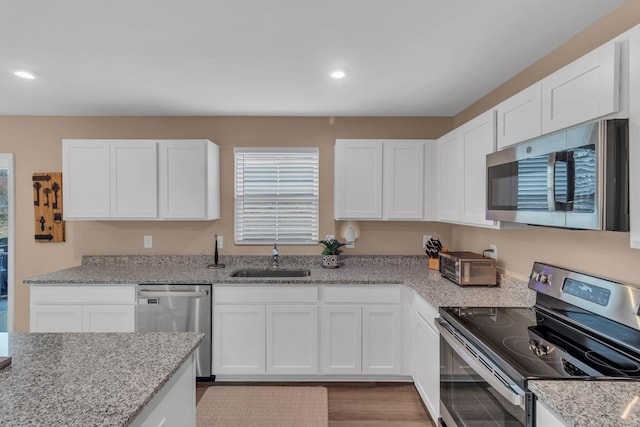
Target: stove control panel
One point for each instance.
(587, 291)
(615, 301)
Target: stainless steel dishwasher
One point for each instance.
(177, 308)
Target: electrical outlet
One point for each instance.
(329, 237)
(425, 239)
(220, 241)
(148, 242)
(493, 254)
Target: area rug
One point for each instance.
(263, 406)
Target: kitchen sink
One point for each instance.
(272, 272)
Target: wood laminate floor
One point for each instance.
(364, 404)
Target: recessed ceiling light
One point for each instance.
(338, 74)
(24, 74)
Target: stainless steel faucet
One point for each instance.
(275, 256)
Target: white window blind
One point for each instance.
(276, 196)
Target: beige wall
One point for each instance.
(36, 141)
(602, 253)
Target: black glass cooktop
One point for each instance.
(536, 344)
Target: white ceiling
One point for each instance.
(272, 57)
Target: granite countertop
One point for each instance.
(579, 403)
(591, 403)
(356, 270)
(84, 379)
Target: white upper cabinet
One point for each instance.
(134, 173)
(403, 180)
(584, 90)
(357, 184)
(449, 188)
(519, 118)
(85, 179)
(379, 179)
(140, 179)
(186, 183)
(462, 172)
(478, 138)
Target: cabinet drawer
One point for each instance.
(363, 294)
(254, 294)
(82, 294)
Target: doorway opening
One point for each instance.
(6, 242)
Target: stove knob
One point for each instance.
(538, 349)
(540, 277)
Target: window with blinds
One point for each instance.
(276, 196)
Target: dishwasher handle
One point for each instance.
(161, 294)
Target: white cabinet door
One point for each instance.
(634, 136)
(357, 183)
(85, 179)
(430, 180)
(108, 318)
(239, 339)
(519, 118)
(478, 137)
(292, 339)
(341, 339)
(175, 403)
(426, 364)
(55, 318)
(403, 179)
(584, 90)
(134, 179)
(449, 188)
(189, 179)
(182, 184)
(546, 418)
(381, 339)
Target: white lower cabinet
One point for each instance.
(175, 403)
(56, 318)
(262, 330)
(426, 355)
(108, 318)
(361, 330)
(341, 338)
(381, 339)
(292, 339)
(546, 418)
(239, 339)
(287, 331)
(82, 308)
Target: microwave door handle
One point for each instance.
(551, 181)
(571, 180)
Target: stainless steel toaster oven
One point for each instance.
(468, 268)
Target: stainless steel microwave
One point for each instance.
(575, 178)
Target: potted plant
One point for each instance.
(330, 252)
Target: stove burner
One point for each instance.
(627, 366)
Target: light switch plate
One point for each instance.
(220, 241)
(148, 242)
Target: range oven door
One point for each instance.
(473, 391)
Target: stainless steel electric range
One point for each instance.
(581, 327)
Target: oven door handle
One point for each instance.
(505, 391)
